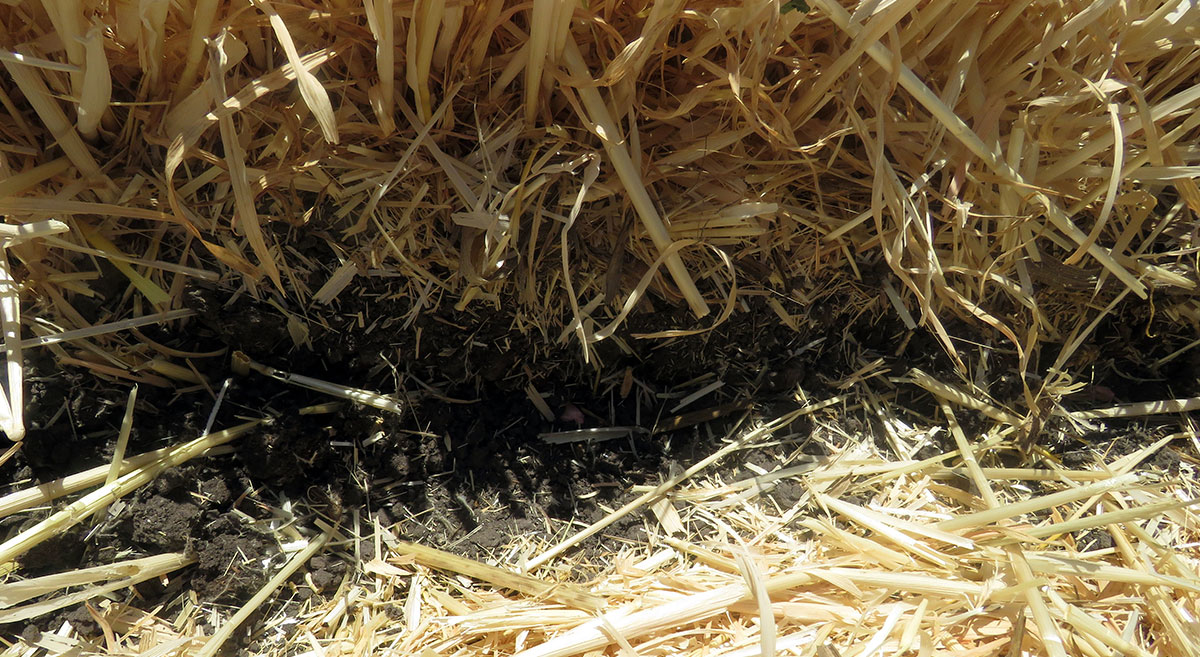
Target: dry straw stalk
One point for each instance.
(1028, 168)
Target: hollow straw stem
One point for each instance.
(111, 327)
(605, 128)
(114, 470)
(12, 404)
(1139, 409)
(242, 364)
(52, 490)
(698, 606)
(1108, 518)
(100, 498)
(222, 635)
(667, 485)
(1001, 512)
(131, 573)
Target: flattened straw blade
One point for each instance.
(12, 398)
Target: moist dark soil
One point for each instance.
(463, 468)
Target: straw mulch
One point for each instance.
(856, 553)
(1027, 168)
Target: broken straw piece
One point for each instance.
(12, 404)
(242, 364)
(100, 498)
(24, 232)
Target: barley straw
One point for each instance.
(959, 129)
(242, 364)
(122, 574)
(42, 494)
(100, 498)
(1028, 169)
(315, 545)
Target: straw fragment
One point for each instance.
(204, 12)
(315, 545)
(566, 594)
(110, 327)
(1140, 409)
(12, 396)
(89, 504)
(114, 469)
(311, 91)
(243, 363)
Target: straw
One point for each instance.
(89, 504)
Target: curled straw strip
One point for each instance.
(957, 127)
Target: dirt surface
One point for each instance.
(463, 468)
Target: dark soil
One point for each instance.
(463, 468)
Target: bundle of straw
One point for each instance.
(1017, 165)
